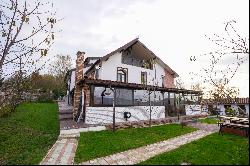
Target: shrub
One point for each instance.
(230, 111)
(6, 110)
(44, 98)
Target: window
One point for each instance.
(122, 74)
(96, 73)
(102, 96)
(124, 97)
(163, 80)
(144, 78)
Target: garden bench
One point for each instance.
(233, 128)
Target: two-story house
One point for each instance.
(130, 79)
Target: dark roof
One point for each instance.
(92, 66)
(227, 101)
(121, 48)
(91, 58)
(135, 86)
(126, 46)
(68, 73)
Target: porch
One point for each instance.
(101, 99)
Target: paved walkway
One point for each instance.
(62, 152)
(138, 155)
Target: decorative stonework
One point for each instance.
(79, 76)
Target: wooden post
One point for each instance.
(184, 103)
(174, 103)
(114, 96)
(149, 108)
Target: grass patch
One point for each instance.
(214, 149)
(97, 144)
(28, 133)
(209, 120)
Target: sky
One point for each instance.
(174, 30)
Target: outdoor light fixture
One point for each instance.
(104, 93)
(107, 93)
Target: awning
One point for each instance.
(117, 84)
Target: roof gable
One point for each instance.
(140, 46)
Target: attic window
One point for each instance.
(147, 64)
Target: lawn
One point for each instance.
(209, 120)
(97, 144)
(28, 133)
(214, 149)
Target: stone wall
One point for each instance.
(78, 77)
(104, 115)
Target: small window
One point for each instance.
(144, 78)
(96, 73)
(122, 74)
(162, 80)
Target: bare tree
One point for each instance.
(219, 73)
(27, 33)
(58, 68)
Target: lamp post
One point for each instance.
(114, 96)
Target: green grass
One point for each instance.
(97, 144)
(209, 120)
(214, 149)
(28, 133)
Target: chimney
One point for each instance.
(78, 77)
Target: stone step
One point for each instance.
(65, 116)
(65, 108)
(69, 136)
(66, 112)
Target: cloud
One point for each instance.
(173, 30)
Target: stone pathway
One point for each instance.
(62, 152)
(140, 154)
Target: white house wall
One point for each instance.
(108, 71)
(104, 115)
(247, 109)
(72, 78)
(195, 110)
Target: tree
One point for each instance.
(179, 83)
(27, 33)
(61, 65)
(217, 76)
(58, 68)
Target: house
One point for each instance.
(132, 80)
(240, 105)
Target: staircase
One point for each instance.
(65, 115)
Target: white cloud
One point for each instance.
(173, 30)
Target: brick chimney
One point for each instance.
(78, 77)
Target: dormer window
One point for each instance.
(122, 74)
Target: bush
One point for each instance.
(230, 112)
(6, 110)
(45, 98)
